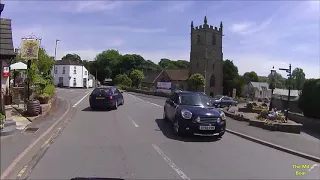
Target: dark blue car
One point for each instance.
(106, 97)
(193, 113)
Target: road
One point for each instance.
(134, 142)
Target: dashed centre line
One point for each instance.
(133, 122)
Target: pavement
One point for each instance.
(14, 145)
(133, 142)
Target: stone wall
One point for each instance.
(281, 104)
(310, 123)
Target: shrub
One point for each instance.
(1, 120)
(310, 98)
(123, 80)
(264, 104)
(49, 90)
(264, 114)
(249, 105)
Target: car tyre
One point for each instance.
(176, 128)
(220, 135)
(116, 105)
(165, 118)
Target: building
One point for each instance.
(70, 73)
(7, 53)
(206, 58)
(177, 77)
(257, 90)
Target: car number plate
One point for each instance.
(99, 97)
(207, 127)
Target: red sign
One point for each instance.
(6, 72)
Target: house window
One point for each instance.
(56, 70)
(74, 81)
(74, 70)
(85, 72)
(63, 70)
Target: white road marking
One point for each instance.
(134, 123)
(71, 90)
(145, 100)
(313, 166)
(81, 99)
(173, 166)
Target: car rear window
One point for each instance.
(102, 91)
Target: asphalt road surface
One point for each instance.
(133, 142)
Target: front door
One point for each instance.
(84, 82)
(61, 81)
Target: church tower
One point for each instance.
(206, 56)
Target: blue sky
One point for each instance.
(258, 34)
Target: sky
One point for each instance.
(258, 34)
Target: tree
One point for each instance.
(104, 63)
(136, 77)
(250, 77)
(44, 65)
(310, 98)
(298, 78)
(277, 80)
(72, 57)
(123, 79)
(196, 81)
(170, 64)
(230, 75)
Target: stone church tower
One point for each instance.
(206, 56)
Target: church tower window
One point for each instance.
(213, 39)
(198, 39)
(212, 81)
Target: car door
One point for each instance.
(116, 94)
(119, 94)
(224, 101)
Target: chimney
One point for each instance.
(1, 8)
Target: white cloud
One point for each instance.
(90, 6)
(241, 27)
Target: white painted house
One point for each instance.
(70, 73)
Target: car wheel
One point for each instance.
(176, 128)
(165, 115)
(116, 105)
(220, 135)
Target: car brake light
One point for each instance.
(110, 97)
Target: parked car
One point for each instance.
(192, 113)
(106, 97)
(223, 101)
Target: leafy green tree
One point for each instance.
(72, 57)
(310, 98)
(123, 79)
(170, 64)
(196, 81)
(250, 77)
(298, 78)
(230, 76)
(277, 80)
(136, 77)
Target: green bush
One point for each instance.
(310, 98)
(49, 89)
(1, 120)
(123, 80)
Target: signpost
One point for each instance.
(30, 51)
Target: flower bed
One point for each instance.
(279, 124)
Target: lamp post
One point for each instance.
(272, 86)
(289, 87)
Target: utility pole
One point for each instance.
(289, 88)
(55, 58)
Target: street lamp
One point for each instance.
(272, 86)
(289, 87)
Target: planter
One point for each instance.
(44, 100)
(7, 99)
(33, 107)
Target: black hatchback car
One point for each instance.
(106, 97)
(193, 113)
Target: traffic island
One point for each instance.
(289, 126)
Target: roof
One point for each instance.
(285, 92)
(150, 76)
(260, 85)
(177, 74)
(6, 44)
(69, 62)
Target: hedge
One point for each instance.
(310, 98)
